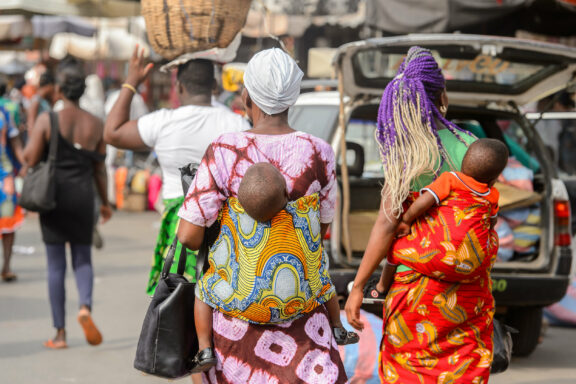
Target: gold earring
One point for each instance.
(443, 109)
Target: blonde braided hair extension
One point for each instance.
(407, 132)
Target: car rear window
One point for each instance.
(466, 69)
(362, 132)
(317, 120)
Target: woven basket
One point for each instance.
(176, 27)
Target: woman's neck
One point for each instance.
(69, 103)
(200, 100)
(272, 125)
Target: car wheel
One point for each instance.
(528, 322)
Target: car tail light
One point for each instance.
(562, 235)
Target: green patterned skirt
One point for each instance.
(168, 230)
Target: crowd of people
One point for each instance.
(266, 309)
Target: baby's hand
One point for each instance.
(403, 229)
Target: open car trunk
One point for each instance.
(486, 78)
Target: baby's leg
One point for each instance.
(386, 278)
(203, 322)
(205, 358)
(333, 308)
(340, 333)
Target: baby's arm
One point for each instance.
(423, 203)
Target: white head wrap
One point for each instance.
(272, 78)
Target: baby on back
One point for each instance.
(485, 159)
(262, 192)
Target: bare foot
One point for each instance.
(58, 342)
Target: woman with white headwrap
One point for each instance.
(267, 281)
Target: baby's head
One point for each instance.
(485, 160)
(262, 191)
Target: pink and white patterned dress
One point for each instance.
(299, 351)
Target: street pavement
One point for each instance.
(121, 272)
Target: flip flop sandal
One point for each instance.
(92, 334)
(9, 277)
(373, 295)
(203, 361)
(55, 344)
(343, 337)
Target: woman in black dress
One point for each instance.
(79, 165)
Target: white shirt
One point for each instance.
(181, 136)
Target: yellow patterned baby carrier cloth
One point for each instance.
(267, 272)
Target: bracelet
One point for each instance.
(130, 87)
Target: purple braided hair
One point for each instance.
(417, 85)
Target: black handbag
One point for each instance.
(39, 189)
(502, 350)
(168, 342)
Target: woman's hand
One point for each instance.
(105, 213)
(138, 69)
(23, 171)
(352, 308)
(119, 130)
(403, 229)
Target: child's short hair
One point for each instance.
(262, 192)
(485, 160)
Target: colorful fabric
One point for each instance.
(517, 175)
(13, 110)
(505, 240)
(267, 272)
(518, 229)
(305, 161)
(11, 215)
(361, 359)
(527, 234)
(299, 351)
(438, 326)
(564, 311)
(168, 229)
(443, 186)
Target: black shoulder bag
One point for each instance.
(39, 189)
(168, 341)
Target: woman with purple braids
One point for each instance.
(437, 328)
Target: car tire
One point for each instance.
(528, 322)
